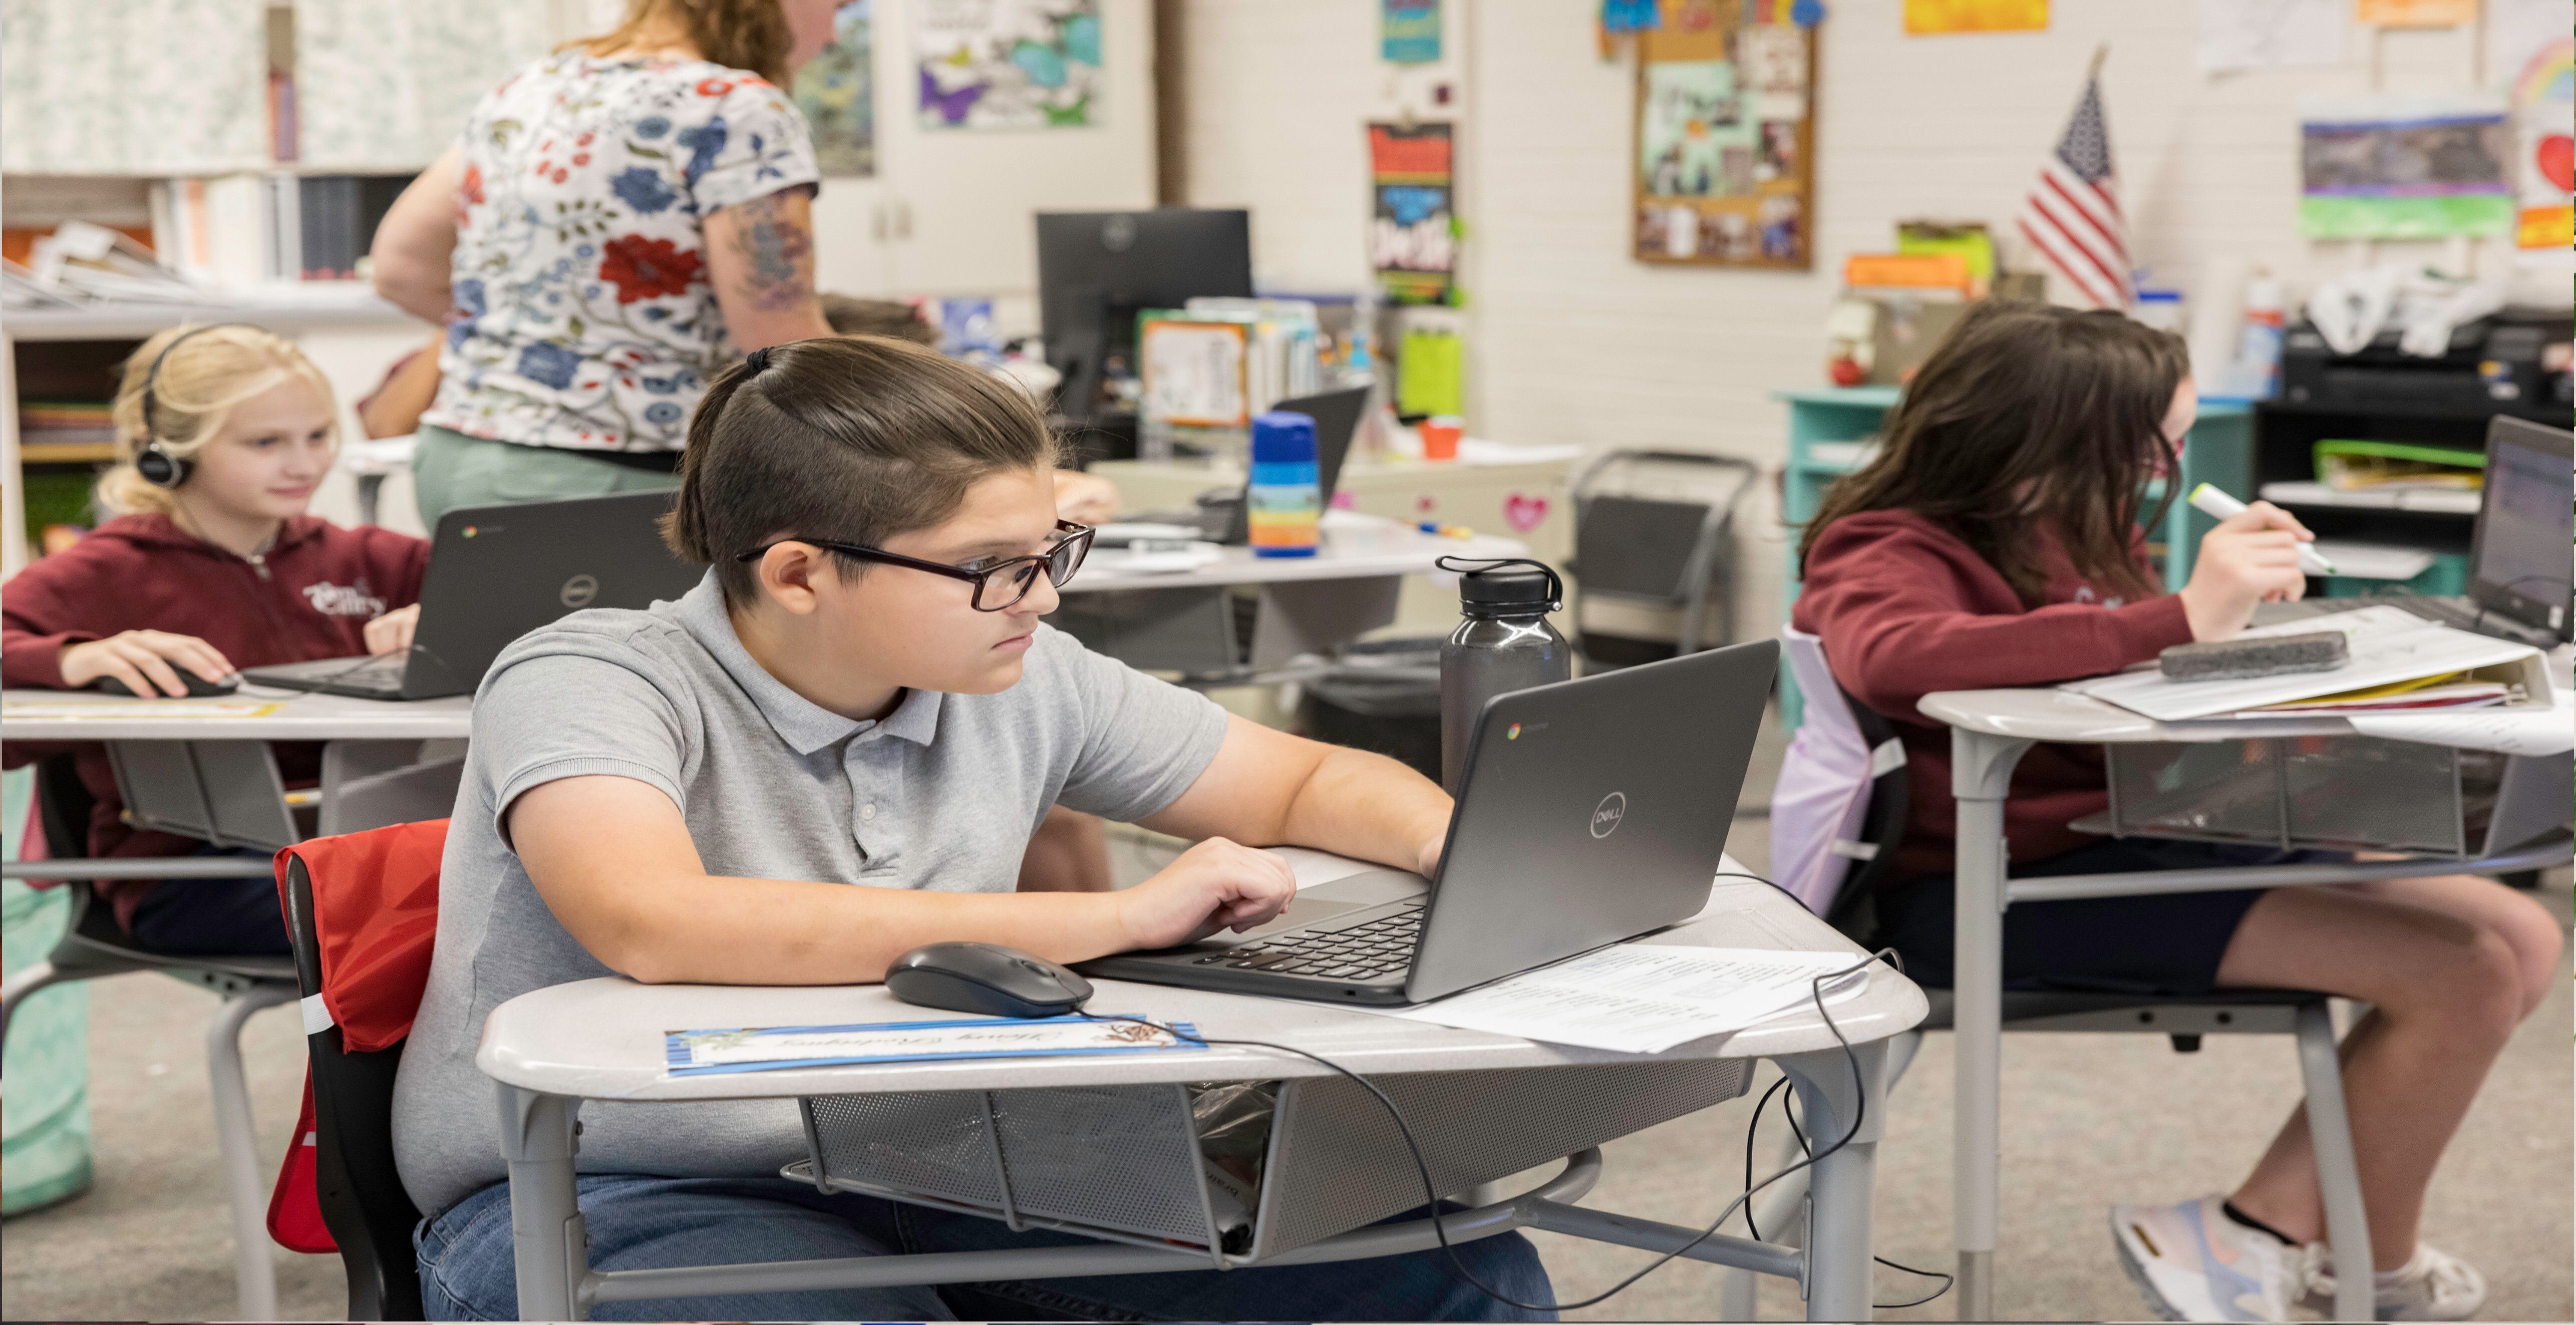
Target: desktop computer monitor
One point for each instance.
(1097, 269)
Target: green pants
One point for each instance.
(451, 469)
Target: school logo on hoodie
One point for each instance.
(345, 600)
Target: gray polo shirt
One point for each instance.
(942, 794)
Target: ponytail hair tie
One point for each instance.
(757, 360)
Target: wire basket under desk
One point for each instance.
(1122, 1163)
(2339, 792)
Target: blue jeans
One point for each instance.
(467, 1271)
(212, 917)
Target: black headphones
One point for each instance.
(154, 462)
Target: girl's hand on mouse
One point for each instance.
(391, 632)
(1217, 884)
(2251, 557)
(143, 660)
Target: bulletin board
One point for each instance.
(1724, 166)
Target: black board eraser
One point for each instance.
(2245, 659)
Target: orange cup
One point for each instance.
(1440, 435)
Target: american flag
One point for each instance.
(2073, 213)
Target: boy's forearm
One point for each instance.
(714, 930)
(1369, 807)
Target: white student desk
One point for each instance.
(1174, 620)
(1989, 731)
(603, 1039)
(210, 775)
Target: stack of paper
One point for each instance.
(2389, 647)
(1646, 998)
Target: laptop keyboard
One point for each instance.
(383, 670)
(1361, 952)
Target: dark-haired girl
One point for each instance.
(1995, 541)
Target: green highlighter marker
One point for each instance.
(2217, 505)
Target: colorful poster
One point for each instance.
(1007, 64)
(836, 92)
(2544, 116)
(2405, 167)
(2416, 13)
(1925, 18)
(1408, 31)
(1725, 133)
(1413, 242)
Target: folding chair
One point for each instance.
(1654, 553)
(93, 945)
(1849, 904)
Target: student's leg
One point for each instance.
(468, 1271)
(1415, 1286)
(2446, 992)
(211, 917)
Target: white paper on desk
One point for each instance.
(2388, 645)
(2516, 731)
(1643, 999)
(115, 710)
(774, 1048)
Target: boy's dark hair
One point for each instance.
(851, 438)
(2030, 415)
(850, 315)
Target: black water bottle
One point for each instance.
(1503, 643)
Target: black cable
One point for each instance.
(1788, 1112)
(1431, 1189)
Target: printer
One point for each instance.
(2515, 362)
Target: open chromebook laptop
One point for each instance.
(498, 572)
(1592, 811)
(2518, 555)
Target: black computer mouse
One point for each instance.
(198, 686)
(986, 978)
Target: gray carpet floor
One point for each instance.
(2089, 1120)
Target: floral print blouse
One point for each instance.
(584, 318)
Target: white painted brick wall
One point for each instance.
(1573, 342)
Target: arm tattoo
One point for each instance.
(777, 252)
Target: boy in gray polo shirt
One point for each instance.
(831, 751)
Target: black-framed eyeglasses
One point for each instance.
(997, 586)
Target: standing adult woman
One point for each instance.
(616, 222)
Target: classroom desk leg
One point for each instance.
(254, 1270)
(1981, 771)
(539, 1137)
(1840, 1183)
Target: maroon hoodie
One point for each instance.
(310, 596)
(1906, 608)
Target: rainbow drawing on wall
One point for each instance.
(2544, 114)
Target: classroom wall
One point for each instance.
(1574, 342)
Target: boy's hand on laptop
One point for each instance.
(392, 631)
(143, 660)
(1217, 884)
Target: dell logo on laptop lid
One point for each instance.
(579, 590)
(1607, 814)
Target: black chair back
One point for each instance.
(362, 1197)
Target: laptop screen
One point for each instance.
(2525, 523)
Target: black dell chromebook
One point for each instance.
(2518, 555)
(1592, 811)
(498, 572)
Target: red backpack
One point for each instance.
(363, 919)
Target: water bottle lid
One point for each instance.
(1283, 437)
(1507, 586)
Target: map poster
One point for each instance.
(1413, 242)
(1007, 64)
